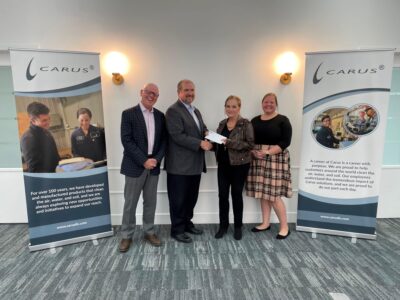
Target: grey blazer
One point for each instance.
(184, 155)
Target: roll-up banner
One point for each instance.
(63, 151)
(346, 96)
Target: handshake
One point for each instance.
(206, 145)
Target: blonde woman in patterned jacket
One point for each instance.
(233, 158)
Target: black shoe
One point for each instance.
(194, 230)
(282, 237)
(237, 234)
(255, 229)
(182, 237)
(220, 233)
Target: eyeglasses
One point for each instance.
(151, 93)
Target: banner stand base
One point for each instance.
(336, 232)
(71, 241)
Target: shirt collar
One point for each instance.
(188, 106)
(143, 109)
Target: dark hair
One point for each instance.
(325, 117)
(234, 97)
(270, 94)
(180, 83)
(83, 111)
(35, 109)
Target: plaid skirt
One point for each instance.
(270, 178)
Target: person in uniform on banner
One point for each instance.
(39, 150)
(372, 119)
(360, 124)
(325, 134)
(143, 137)
(88, 141)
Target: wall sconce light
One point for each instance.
(286, 78)
(116, 64)
(285, 65)
(117, 78)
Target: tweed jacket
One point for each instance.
(184, 155)
(134, 141)
(240, 141)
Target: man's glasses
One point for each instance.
(151, 93)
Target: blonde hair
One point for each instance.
(239, 102)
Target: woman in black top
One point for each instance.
(269, 178)
(88, 141)
(233, 158)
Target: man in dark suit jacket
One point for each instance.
(38, 147)
(184, 160)
(143, 137)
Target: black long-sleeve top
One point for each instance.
(276, 131)
(222, 152)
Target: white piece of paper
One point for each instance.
(215, 137)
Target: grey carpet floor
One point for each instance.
(257, 267)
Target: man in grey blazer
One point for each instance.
(143, 135)
(184, 160)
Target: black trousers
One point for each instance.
(183, 191)
(232, 177)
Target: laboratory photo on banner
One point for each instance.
(329, 130)
(361, 119)
(61, 134)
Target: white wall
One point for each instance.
(224, 46)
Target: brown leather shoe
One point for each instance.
(153, 240)
(124, 245)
